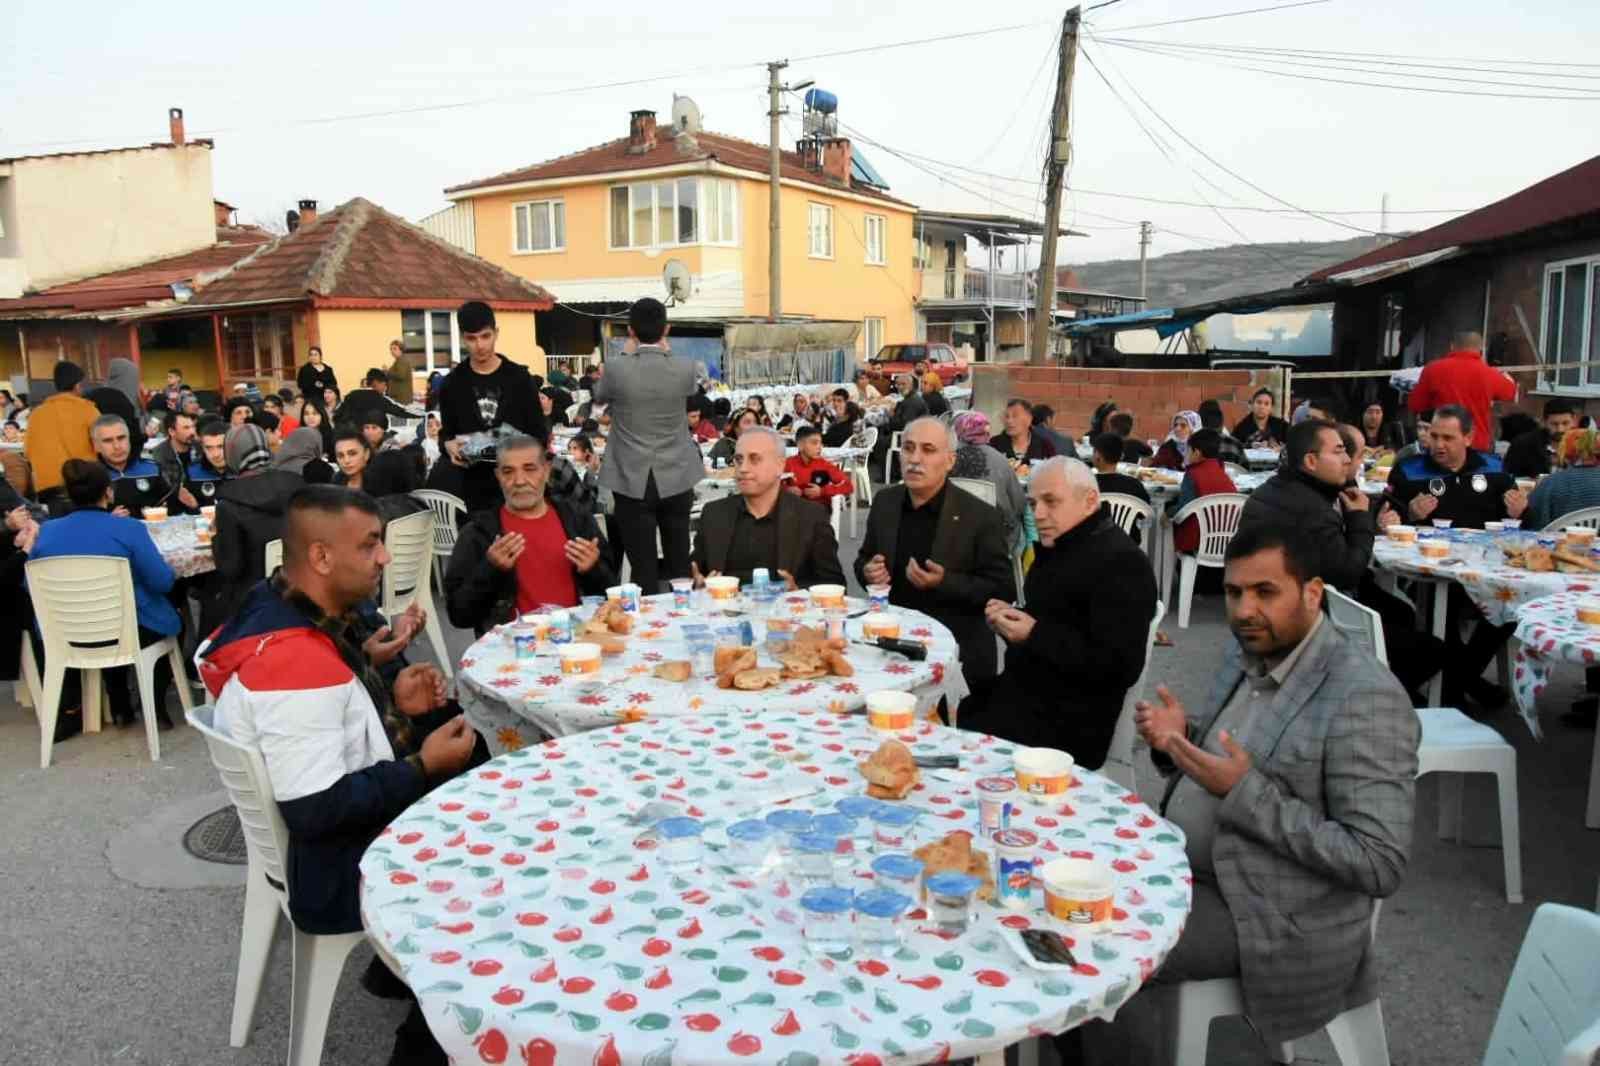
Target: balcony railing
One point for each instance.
(976, 287)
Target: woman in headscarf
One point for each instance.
(120, 396)
(1097, 423)
(933, 395)
(301, 453)
(250, 512)
(554, 402)
(977, 460)
(1174, 451)
(1575, 484)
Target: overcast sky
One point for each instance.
(98, 75)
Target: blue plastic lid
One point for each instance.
(750, 831)
(951, 883)
(816, 843)
(857, 806)
(895, 817)
(882, 903)
(900, 867)
(678, 827)
(790, 820)
(828, 899)
(839, 825)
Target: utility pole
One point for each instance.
(774, 236)
(1145, 231)
(1055, 176)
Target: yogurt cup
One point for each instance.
(1494, 527)
(1403, 534)
(202, 534)
(892, 711)
(1581, 537)
(882, 625)
(1443, 523)
(878, 912)
(614, 594)
(630, 598)
(826, 912)
(1589, 612)
(1014, 850)
(209, 512)
(680, 841)
(1042, 772)
(877, 597)
(826, 596)
(1078, 891)
(997, 801)
(720, 588)
(155, 514)
(524, 640)
(580, 658)
(1434, 549)
(899, 871)
(681, 588)
(1526, 484)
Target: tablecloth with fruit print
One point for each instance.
(535, 925)
(1499, 591)
(175, 540)
(515, 702)
(1548, 632)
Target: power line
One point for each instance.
(1209, 18)
(966, 35)
(1411, 55)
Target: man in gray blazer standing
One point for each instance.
(651, 463)
(1295, 786)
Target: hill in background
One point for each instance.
(1202, 275)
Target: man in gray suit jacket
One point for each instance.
(1295, 787)
(651, 463)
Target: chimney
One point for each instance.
(641, 132)
(224, 212)
(175, 124)
(308, 212)
(836, 159)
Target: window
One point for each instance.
(877, 230)
(821, 229)
(1570, 323)
(872, 334)
(259, 346)
(661, 214)
(541, 226)
(721, 210)
(430, 339)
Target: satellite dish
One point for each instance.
(685, 114)
(676, 278)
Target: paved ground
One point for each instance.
(107, 964)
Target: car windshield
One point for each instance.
(901, 353)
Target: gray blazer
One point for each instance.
(1319, 827)
(649, 425)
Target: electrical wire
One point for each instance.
(1209, 18)
(1476, 60)
(963, 36)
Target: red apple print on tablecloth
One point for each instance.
(992, 978)
(400, 877)
(492, 1046)
(767, 953)
(744, 1044)
(787, 978)
(927, 983)
(532, 918)
(607, 1055)
(576, 986)
(408, 838)
(477, 816)
(508, 996)
(702, 1023)
(539, 1052)
(603, 887)
(485, 968)
(655, 947)
(662, 978)
(444, 958)
(545, 973)
(622, 1001)
(603, 916)
(691, 930)
(567, 934)
(458, 906)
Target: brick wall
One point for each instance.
(1153, 396)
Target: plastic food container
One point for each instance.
(826, 912)
(1403, 534)
(682, 587)
(524, 640)
(891, 827)
(789, 823)
(1443, 523)
(1579, 536)
(1434, 549)
(1512, 523)
(680, 842)
(1042, 772)
(883, 625)
(1494, 527)
(722, 589)
(878, 912)
(1014, 849)
(1589, 612)
(558, 627)
(877, 597)
(580, 658)
(997, 801)
(630, 598)
(834, 618)
(891, 711)
(899, 871)
(209, 513)
(1526, 484)
(812, 860)
(155, 514)
(950, 900)
(202, 534)
(614, 594)
(826, 596)
(859, 810)
(750, 843)
(1078, 891)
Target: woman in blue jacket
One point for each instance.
(91, 529)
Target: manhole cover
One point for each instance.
(217, 838)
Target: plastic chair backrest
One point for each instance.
(1126, 511)
(572, 412)
(869, 439)
(1551, 1010)
(273, 556)
(983, 490)
(1218, 516)
(445, 507)
(409, 541)
(244, 775)
(1119, 757)
(1358, 621)
(84, 607)
(1588, 518)
(1234, 471)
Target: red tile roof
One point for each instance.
(1566, 195)
(137, 285)
(360, 255)
(198, 142)
(613, 157)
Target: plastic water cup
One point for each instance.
(950, 896)
(679, 842)
(891, 827)
(826, 918)
(859, 810)
(842, 828)
(812, 861)
(877, 918)
(682, 588)
(900, 871)
(751, 843)
(789, 823)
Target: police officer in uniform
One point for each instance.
(136, 482)
(210, 468)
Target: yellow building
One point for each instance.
(598, 228)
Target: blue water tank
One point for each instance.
(822, 100)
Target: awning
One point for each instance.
(1393, 267)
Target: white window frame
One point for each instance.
(815, 228)
(703, 213)
(550, 208)
(877, 234)
(867, 324)
(429, 363)
(1589, 377)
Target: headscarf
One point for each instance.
(1580, 447)
(246, 448)
(932, 382)
(1194, 424)
(299, 448)
(972, 427)
(123, 376)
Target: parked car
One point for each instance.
(895, 359)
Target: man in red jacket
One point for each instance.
(814, 477)
(1461, 377)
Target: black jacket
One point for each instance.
(807, 547)
(1293, 499)
(1529, 454)
(515, 401)
(1092, 596)
(361, 403)
(970, 543)
(312, 380)
(910, 408)
(479, 595)
(1473, 495)
(250, 512)
(1249, 433)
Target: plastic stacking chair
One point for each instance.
(983, 490)
(861, 474)
(409, 541)
(890, 456)
(1551, 1010)
(1218, 515)
(272, 556)
(448, 513)
(84, 607)
(1589, 518)
(1119, 757)
(1451, 743)
(1127, 512)
(317, 960)
(26, 688)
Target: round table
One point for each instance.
(503, 696)
(1548, 632)
(176, 541)
(1478, 566)
(529, 921)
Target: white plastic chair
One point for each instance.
(85, 611)
(986, 491)
(448, 513)
(572, 412)
(1128, 511)
(1119, 757)
(890, 455)
(406, 579)
(1588, 518)
(1451, 743)
(836, 515)
(26, 688)
(272, 556)
(1218, 516)
(317, 960)
(1551, 1010)
(861, 474)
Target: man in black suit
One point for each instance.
(911, 407)
(940, 549)
(763, 526)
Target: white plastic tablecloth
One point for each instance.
(175, 539)
(1548, 632)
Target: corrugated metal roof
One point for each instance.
(137, 285)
